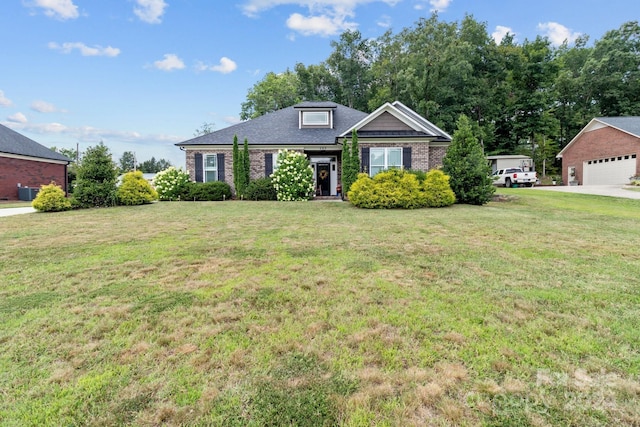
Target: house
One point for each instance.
(25, 163)
(510, 161)
(392, 136)
(604, 152)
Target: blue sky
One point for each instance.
(141, 75)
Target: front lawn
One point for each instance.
(523, 312)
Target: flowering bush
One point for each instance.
(171, 183)
(293, 180)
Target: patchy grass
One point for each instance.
(521, 312)
(14, 204)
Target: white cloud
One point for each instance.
(439, 5)
(557, 33)
(500, 32)
(4, 101)
(384, 21)
(84, 49)
(150, 11)
(44, 107)
(169, 63)
(60, 9)
(225, 66)
(17, 118)
(326, 17)
(319, 25)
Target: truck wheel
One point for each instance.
(507, 183)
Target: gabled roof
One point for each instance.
(628, 124)
(11, 142)
(417, 125)
(281, 127)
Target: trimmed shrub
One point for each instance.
(421, 175)
(95, 185)
(293, 180)
(437, 189)
(388, 190)
(135, 190)
(171, 183)
(51, 198)
(207, 191)
(261, 189)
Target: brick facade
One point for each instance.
(423, 156)
(28, 173)
(596, 144)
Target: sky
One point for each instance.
(142, 75)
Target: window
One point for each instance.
(211, 168)
(384, 158)
(315, 118)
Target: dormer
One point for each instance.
(315, 115)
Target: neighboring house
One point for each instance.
(25, 163)
(510, 161)
(392, 136)
(604, 152)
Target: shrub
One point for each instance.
(135, 190)
(51, 198)
(293, 180)
(421, 175)
(206, 191)
(261, 189)
(437, 189)
(171, 183)
(95, 184)
(467, 166)
(387, 190)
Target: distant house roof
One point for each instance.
(11, 142)
(628, 124)
(281, 127)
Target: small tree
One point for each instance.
(135, 190)
(96, 180)
(246, 166)
(236, 163)
(127, 162)
(350, 162)
(467, 166)
(293, 180)
(51, 198)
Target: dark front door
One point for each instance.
(323, 178)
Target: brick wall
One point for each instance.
(28, 173)
(596, 144)
(423, 157)
(256, 163)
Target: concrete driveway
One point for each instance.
(16, 211)
(599, 190)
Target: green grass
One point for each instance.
(523, 312)
(4, 204)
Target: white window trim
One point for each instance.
(206, 168)
(325, 122)
(385, 157)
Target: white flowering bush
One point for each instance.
(293, 180)
(171, 183)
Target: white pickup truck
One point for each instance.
(514, 176)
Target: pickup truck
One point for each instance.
(512, 176)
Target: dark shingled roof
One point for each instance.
(11, 142)
(630, 124)
(281, 127)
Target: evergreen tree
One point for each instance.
(246, 161)
(467, 166)
(236, 163)
(355, 155)
(346, 167)
(96, 181)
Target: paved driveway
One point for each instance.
(599, 190)
(16, 211)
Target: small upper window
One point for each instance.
(315, 118)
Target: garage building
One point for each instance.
(605, 152)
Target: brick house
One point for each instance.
(25, 163)
(605, 152)
(392, 136)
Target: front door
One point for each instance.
(323, 179)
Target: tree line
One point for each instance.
(529, 97)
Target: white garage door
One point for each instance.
(609, 171)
